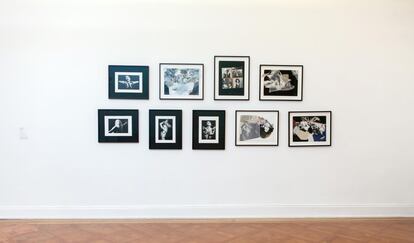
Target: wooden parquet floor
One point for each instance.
(209, 231)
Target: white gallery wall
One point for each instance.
(358, 59)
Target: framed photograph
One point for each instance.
(180, 81)
(165, 129)
(310, 128)
(231, 77)
(118, 126)
(128, 82)
(257, 128)
(209, 130)
(281, 82)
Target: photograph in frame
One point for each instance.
(281, 82)
(257, 128)
(180, 81)
(209, 129)
(310, 128)
(231, 77)
(117, 126)
(128, 82)
(165, 129)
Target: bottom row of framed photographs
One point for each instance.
(252, 128)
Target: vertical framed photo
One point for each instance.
(231, 77)
(180, 81)
(209, 130)
(128, 82)
(118, 126)
(165, 129)
(281, 82)
(310, 128)
(257, 128)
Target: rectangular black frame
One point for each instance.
(202, 86)
(247, 75)
(275, 65)
(221, 145)
(113, 139)
(112, 69)
(317, 145)
(178, 129)
(249, 145)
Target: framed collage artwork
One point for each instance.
(231, 77)
(310, 128)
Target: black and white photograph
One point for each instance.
(281, 82)
(231, 77)
(118, 126)
(128, 82)
(165, 128)
(310, 128)
(209, 129)
(257, 128)
(180, 81)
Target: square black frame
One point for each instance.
(276, 99)
(249, 145)
(112, 69)
(178, 129)
(247, 75)
(134, 138)
(309, 112)
(221, 145)
(183, 64)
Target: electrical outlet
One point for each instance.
(23, 133)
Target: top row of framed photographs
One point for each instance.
(185, 81)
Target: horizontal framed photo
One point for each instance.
(231, 77)
(128, 82)
(165, 129)
(209, 130)
(257, 128)
(310, 128)
(180, 81)
(281, 82)
(118, 126)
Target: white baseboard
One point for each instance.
(207, 211)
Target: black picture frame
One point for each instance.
(275, 129)
(294, 94)
(162, 88)
(328, 129)
(171, 136)
(216, 118)
(133, 89)
(124, 131)
(237, 94)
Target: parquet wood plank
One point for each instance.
(209, 231)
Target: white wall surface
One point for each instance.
(358, 62)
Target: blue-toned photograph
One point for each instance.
(181, 81)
